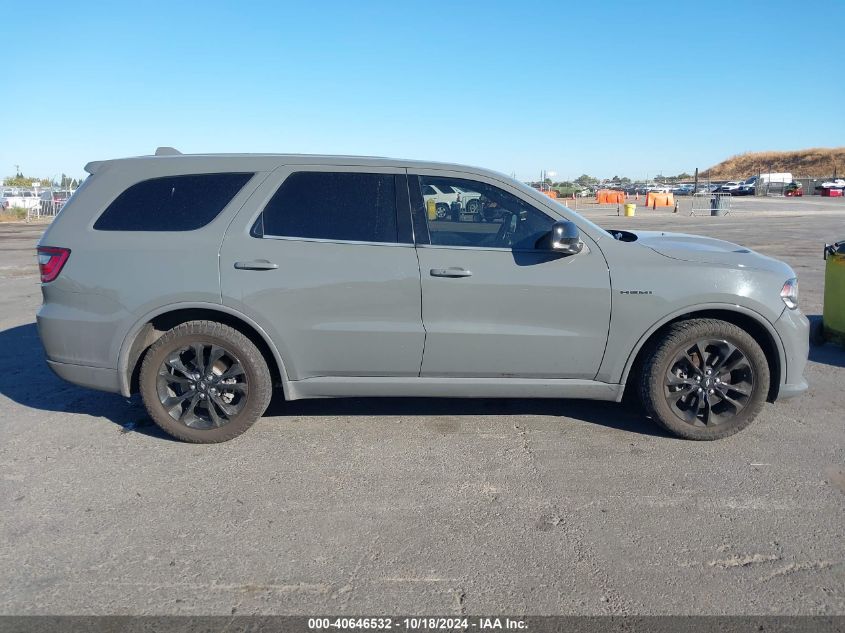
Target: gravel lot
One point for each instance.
(425, 506)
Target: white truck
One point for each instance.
(767, 179)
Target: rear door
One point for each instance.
(323, 258)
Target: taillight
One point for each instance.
(51, 260)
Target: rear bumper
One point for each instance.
(84, 376)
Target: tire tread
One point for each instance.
(261, 388)
(656, 355)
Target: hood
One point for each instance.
(695, 248)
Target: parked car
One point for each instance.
(205, 281)
(729, 187)
(793, 190)
(21, 199)
(451, 201)
(53, 201)
(744, 190)
(658, 189)
(683, 190)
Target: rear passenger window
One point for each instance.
(332, 206)
(173, 203)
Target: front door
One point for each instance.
(493, 305)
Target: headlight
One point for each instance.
(789, 293)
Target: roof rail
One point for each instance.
(167, 151)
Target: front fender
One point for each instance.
(616, 368)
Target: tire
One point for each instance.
(442, 211)
(706, 402)
(205, 411)
(473, 206)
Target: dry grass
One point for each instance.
(818, 162)
(15, 214)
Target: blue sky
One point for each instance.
(606, 88)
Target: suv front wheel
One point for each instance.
(205, 382)
(705, 380)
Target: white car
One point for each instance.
(445, 195)
(658, 189)
(834, 184)
(731, 185)
(21, 199)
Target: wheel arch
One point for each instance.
(153, 325)
(752, 322)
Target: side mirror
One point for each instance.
(564, 238)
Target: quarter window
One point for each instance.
(340, 206)
(172, 203)
(475, 214)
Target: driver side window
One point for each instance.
(460, 212)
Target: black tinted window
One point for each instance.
(174, 203)
(334, 206)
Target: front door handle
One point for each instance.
(450, 272)
(257, 264)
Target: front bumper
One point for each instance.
(792, 390)
(794, 330)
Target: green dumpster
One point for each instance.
(833, 316)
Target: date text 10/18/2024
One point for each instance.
(418, 623)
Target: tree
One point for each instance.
(683, 176)
(24, 181)
(585, 181)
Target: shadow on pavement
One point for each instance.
(608, 414)
(26, 379)
(828, 353)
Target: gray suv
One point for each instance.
(204, 281)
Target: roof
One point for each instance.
(270, 161)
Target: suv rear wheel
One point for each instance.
(705, 380)
(205, 382)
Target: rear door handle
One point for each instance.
(450, 272)
(257, 264)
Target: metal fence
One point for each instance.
(45, 209)
(710, 204)
(809, 184)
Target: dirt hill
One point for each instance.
(818, 162)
